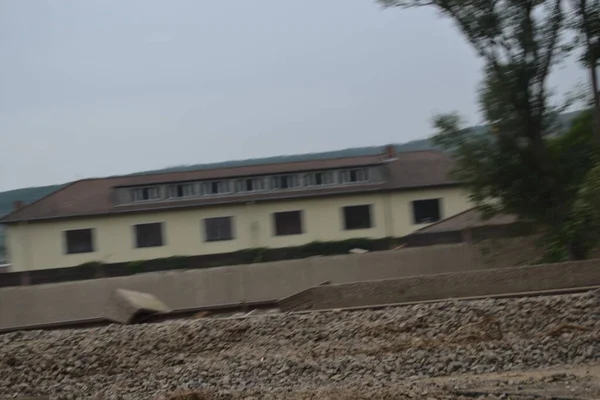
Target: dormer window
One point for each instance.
(355, 175)
(250, 184)
(182, 190)
(285, 182)
(320, 178)
(145, 193)
(215, 187)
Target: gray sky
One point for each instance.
(93, 88)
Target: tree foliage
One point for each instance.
(519, 166)
(585, 22)
(499, 28)
(519, 40)
(499, 180)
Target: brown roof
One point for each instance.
(250, 170)
(94, 196)
(471, 218)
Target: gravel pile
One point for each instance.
(355, 354)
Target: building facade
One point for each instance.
(224, 210)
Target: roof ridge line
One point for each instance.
(233, 167)
(263, 164)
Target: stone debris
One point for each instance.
(125, 306)
(358, 251)
(366, 354)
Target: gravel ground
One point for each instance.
(386, 354)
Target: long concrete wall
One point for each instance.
(447, 285)
(66, 302)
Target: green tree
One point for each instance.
(585, 21)
(483, 23)
(519, 41)
(584, 222)
(517, 167)
(500, 177)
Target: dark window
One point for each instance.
(148, 235)
(288, 223)
(319, 178)
(216, 229)
(216, 187)
(79, 241)
(426, 211)
(285, 182)
(357, 217)
(144, 194)
(250, 184)
(182, 190)
(355, 175)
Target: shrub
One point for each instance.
(135, 267)
(90, 264)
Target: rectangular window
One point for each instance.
(250, 184)
(145, 193)
(148, 235)
(357, 217)
(426, 211)
(182, 190)
(79, 241)
(216, 229)
(215, 187)
(320, 178)
(287, 223)
(285, 182)
(355, 175)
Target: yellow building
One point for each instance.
(212, 211)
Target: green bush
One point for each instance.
(313, 249)
(135, 267)
(344, 246)
(90, 264)
(176, 262)
(263, 254)
(250, 256)
(91, 267)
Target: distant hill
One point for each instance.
(26, 195)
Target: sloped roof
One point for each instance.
(471, 218)
(94, 196)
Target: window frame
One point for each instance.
(345, 218)
(276, 231)
(310, 178)
(136, 238)
(207, 239)
(346, 174)
(226, 185)
(193, 186)
(414, 213)
(92, 243)
(158, 188)
(293, 181)
(242, 184)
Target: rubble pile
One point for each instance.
(368, 353)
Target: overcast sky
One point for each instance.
(94, 88)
